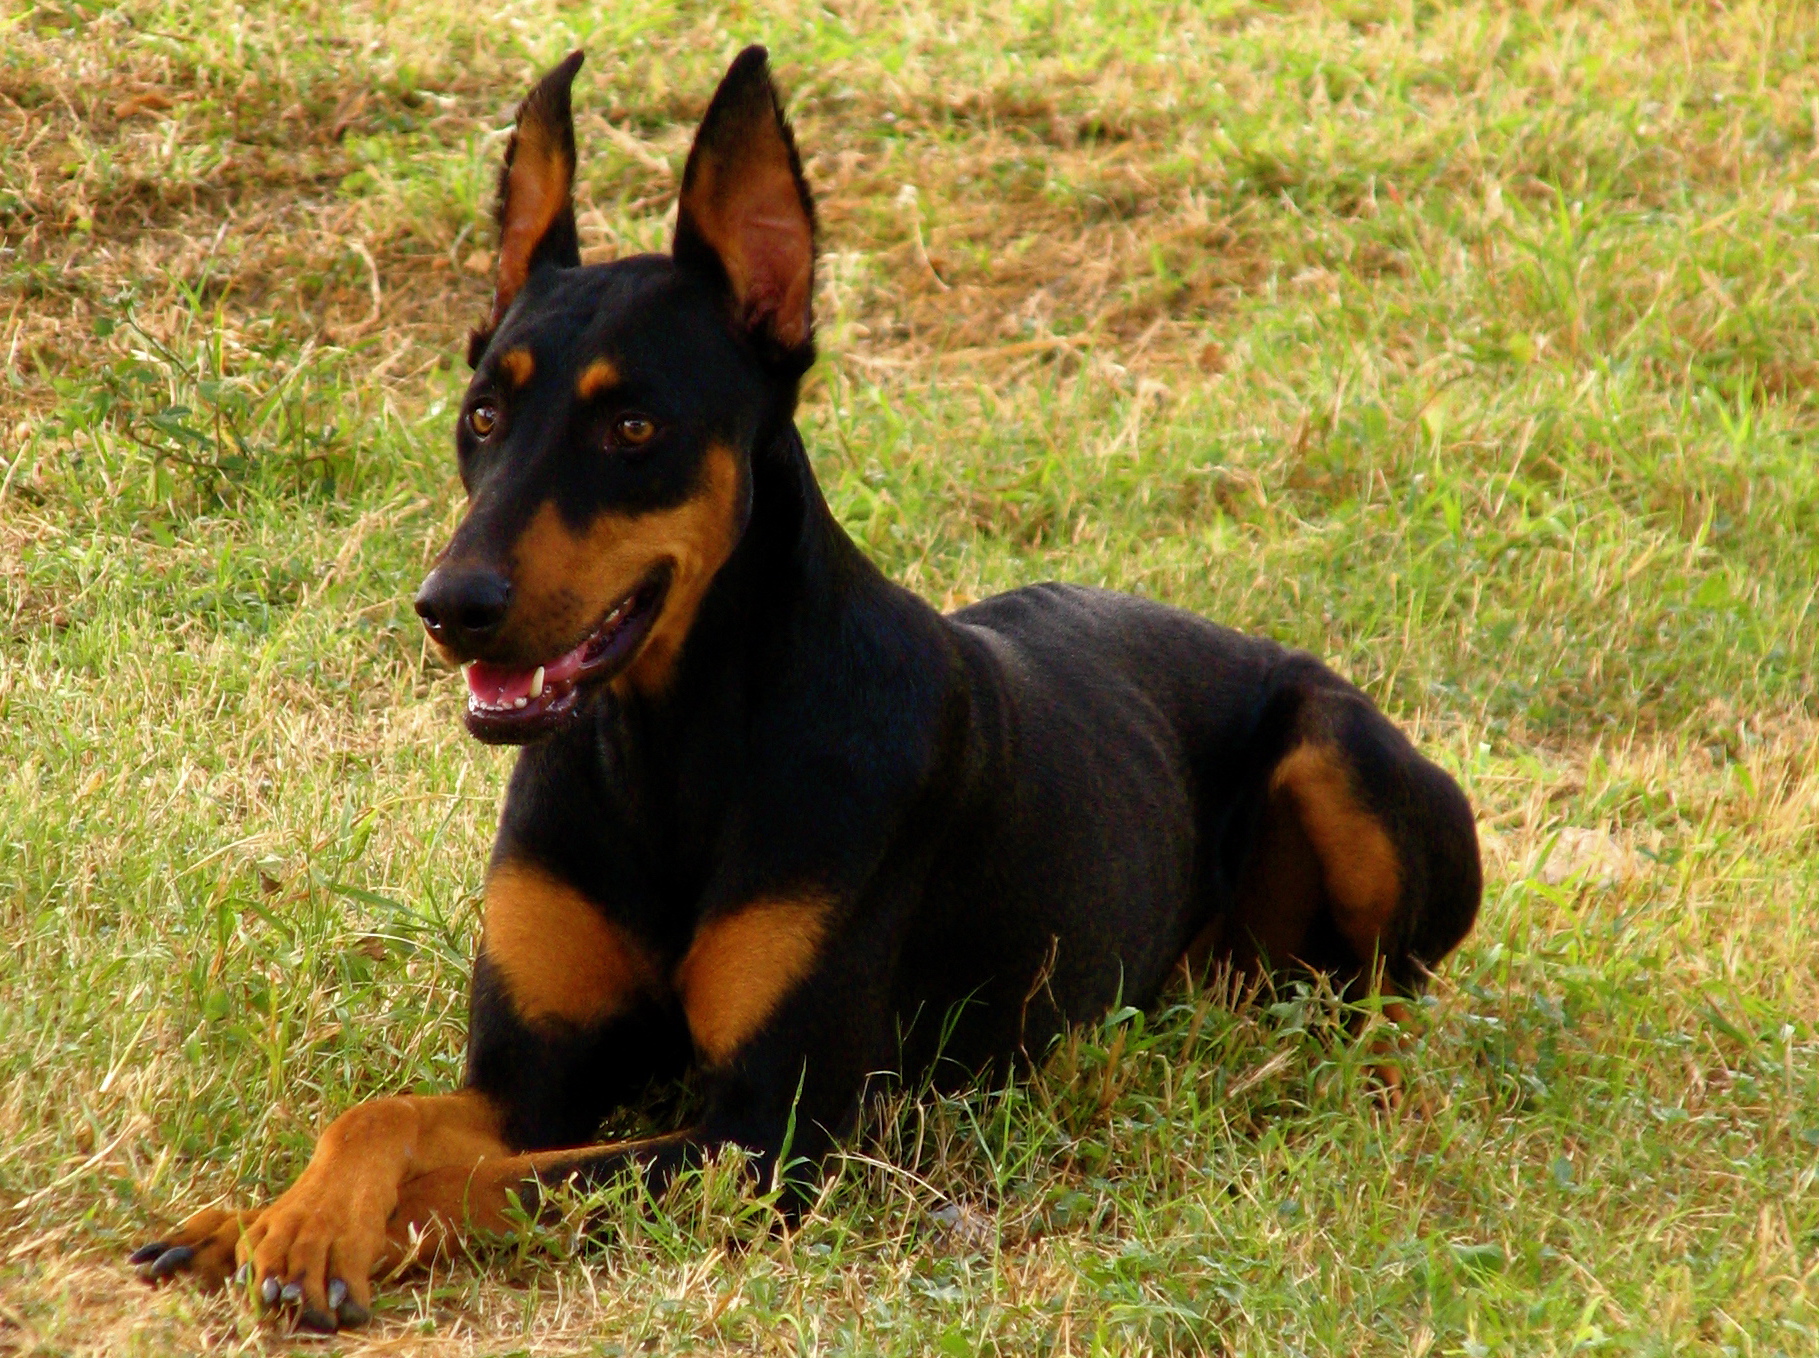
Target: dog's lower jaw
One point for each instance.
(520, 705)
(511, 729)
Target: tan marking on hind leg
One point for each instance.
(1362, 875)
(1387, 1048)
(1358, 862)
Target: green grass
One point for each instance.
(1470, 346)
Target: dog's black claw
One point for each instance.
(244, 1274)
(268, 1290)
(315, 1318)
(146, 1253)
(292, 1294)
(352, 1313)
(337, 1293)
(169, 1262)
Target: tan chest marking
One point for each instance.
(559, 956)
(740, 966)
(1357, 860)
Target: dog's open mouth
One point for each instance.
(509, 705)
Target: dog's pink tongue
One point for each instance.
(499, 685)
(510, 685)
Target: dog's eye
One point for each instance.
(483, 419)
(634, 431)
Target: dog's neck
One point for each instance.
(792, 589)
(794, 573)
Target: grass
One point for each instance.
(1471, 346)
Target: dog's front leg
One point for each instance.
(785, 1006)
(316, 1246)
(560, 1029)
(787, 1002)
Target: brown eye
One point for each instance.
(482, 420)
(634, 430)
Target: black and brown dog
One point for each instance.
(777, 820)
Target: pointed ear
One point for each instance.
(536, 211)
(745, 218)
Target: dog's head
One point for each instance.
(606, 438)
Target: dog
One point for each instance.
(776, 821)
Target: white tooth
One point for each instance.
(537, 683)
(521, 702)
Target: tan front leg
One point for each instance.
(331, 1224)
(317, 1246)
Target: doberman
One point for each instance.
(776, 820)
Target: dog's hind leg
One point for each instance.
(1347, 851)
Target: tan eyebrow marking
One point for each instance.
(595, 378)
(518, 365)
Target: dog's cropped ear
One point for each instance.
(536, 210)
(745, 219)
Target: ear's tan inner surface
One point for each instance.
(751, 213)
(536, 189)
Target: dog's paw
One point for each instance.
(311, 1254)
(205, 1249)
(201, 1249)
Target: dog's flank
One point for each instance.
(776, 820)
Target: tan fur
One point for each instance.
(437, 1209)
(566, 581)
(1357, 861)
(595, 378)
(336, 1214)
(558, 955)
(751, 214)
(519, 365)
(391, 1182)
(536, 189)
(740, 966)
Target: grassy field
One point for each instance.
(1471, 346)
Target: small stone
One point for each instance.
(1591, 856)
(964, 1226)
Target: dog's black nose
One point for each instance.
(462, 607)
